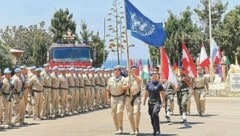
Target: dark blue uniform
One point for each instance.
(154, 103)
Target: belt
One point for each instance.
(154, 100)
(37, 91)
(71, 86)
(54, 87)
(117, 95)
(223, 64)
(63, 88)
(88, 85)
(5, 93)
(184, 89)
(100, 85)
(199, 88)
(17, 93)
(47, 86)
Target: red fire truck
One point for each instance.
(70, 55)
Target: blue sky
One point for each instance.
(93, 12)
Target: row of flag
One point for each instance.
(153, 34)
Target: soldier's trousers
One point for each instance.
(88, 95)
(153, 111)
(25, 97)
(199, 97)
(18, 107)
(117, 107)
(82, 100)
(38, 101)
(71, 99)
(63, 100)
(7, 111)
(77, 99)
(182, 98)
(54, 101)
(93, 97)
(1, 108)
(46, 102)
(169, 100)
(98, 95)
(30, 103)
(133, 112)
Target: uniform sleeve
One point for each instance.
(108, 84)
(147, 87)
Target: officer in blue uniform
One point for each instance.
(155, 92)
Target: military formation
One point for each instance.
(45, 93)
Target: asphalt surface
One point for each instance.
(222, 119)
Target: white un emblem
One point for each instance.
(141, 26)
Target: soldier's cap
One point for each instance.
(7, 71)
(123, 67)
(88, 67)
(46, 65)
(92, 69)
(38, 69)
(133, 67)
(102, 67)
(71, 69)
(17, 70)
(97, 70)
(33, 67)
(80, 69)
(153, 73)
(117, 67)
(84, 70)
(23, 67)
(55, 68)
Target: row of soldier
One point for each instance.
(44, 93)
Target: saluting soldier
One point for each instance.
(6, 101)
(63, 91)
(200, 86)
(116, 89)
(133, 99)
(55, 92)
(47, 86)
(18, 103)
(36, 83)
(183, 94)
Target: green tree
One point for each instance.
(96, 43)
(33, 40)
(61, 23)
(5, 57)
(229, 33)
(179, 29)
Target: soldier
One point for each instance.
(25, 81)
(63, 91)
(87, 88)
(93, 89)
(169, 99)
(47, 86)
(30, 99)
(133, 99)
(76, 102)
(71, 91)
(18, 103)
(81, 91)
(55, 92)
(224, 66)
(1, 98)
(6, 101)
(36, 83)
(155, 92)
(183, 93)
(99, 87)
(200, 86)
(116, 89)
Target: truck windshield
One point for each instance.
(71, 53)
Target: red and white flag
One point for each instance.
(187, 62)
(217, 58)
(166, 69)
(215, 52)
(204, 60)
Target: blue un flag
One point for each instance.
(143, 28)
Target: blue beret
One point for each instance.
(22, 67)
(33, 67)
(38, 69)
(117, 67)
(55, 68)
(17, 70)
(7, 71)
(46, 65)
(133, 67)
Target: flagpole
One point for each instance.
(210, 38)
(126, 35)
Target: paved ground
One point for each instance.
(223, 118)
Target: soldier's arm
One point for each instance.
(145, 97)
(206, 84)
(162, 96)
